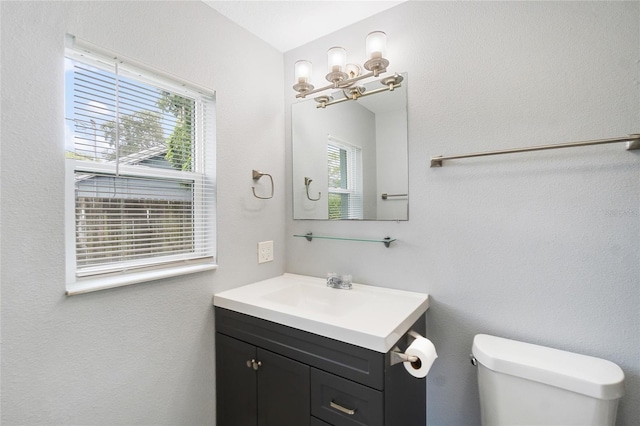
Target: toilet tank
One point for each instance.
(525, 384)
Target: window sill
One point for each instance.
(87, 285)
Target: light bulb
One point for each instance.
(337, 59)
(302, 71)
(376, 45)
(352, 70)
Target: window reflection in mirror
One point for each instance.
(344, 169)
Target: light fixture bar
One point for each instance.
(342, 84)
(390, 87)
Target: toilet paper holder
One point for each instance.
(397, 356)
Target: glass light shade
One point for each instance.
(337, 59)
(376, 45)
(352, 70)
(302, 71)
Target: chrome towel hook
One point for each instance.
(307, 182)
(256, 176)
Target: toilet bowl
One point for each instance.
(525, 384)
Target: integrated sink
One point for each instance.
(367, 316)
(314, 299)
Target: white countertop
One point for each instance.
(367, 316)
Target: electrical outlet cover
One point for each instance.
(265, 251)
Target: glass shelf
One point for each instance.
(309, 236)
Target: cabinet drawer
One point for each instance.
(342, 402)
(352, 362)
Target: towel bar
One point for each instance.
(633, 143)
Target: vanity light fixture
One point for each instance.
(342, 75)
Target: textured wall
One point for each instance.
(541, 247)
(142, 354)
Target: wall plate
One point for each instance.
(265, 251)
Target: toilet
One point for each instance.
(525, 384)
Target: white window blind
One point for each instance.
(345, 179)
(141, 150)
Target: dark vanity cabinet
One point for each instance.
(259, 387)
(273, 375)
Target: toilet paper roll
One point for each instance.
(426, 353)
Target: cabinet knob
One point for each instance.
(252, 363)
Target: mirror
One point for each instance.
(350, 159)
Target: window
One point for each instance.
(140, 173)
(345, 180)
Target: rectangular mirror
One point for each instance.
(350, 159)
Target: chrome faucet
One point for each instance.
(339, 281)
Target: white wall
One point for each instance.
(392, 156)
(142, 354)
(541, 247)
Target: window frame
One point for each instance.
(353, 171)
(93, 279)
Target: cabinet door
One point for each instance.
(283, 391)
(235, 383)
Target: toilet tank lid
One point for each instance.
(583, 374)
